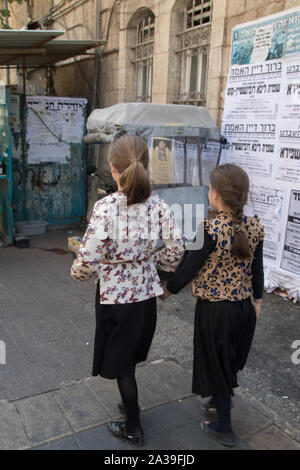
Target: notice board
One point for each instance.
(261, 122)
(53, 123)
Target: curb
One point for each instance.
(283, 425)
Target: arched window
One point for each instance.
(194, 52)
(144, 49)
(198, 12)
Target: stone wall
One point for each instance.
(107, 77)
(111, 78)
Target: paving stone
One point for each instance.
(176, 414)
(43, 316)
(246, 419)
(80, 406)
(66, 443)
(272, 439)
(43, 418)
(174, 376)
(100, 438)
(107, 393)
(185, 437)
(12, 431)
(47, 319)
(152, 388)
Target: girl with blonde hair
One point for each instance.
(119, 248)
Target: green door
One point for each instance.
(49, 173)
(6, 221)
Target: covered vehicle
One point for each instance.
(184, 146)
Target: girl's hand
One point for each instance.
(257, 307)
(166, 294)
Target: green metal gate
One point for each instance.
(54, 192)
(6, 219)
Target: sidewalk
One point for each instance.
(75, 417)
(49, 401)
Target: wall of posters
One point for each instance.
(261, 122)
(182, 160)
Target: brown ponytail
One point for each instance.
(129, 155)
(232, 183)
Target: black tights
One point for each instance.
(129, 394)
(223, 406)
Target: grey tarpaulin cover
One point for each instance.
(161, 120)
(151, 120)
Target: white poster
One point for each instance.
(161, 160)
(272, 37)
(192, 166)
(269, 204)
(288, 155)
(178, 161)
(53, 123)
(262, 43)
(209, 159)
(250, 117)
(291, 252)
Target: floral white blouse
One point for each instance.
(119, 247)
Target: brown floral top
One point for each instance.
(223, 276)
(119, 248)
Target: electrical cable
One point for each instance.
(48, 128)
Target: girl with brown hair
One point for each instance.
(119, 248)
(228, 281)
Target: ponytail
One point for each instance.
(232, 183)
(129, 155)
(135, 183)
(240, 245)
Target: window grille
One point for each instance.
(143, 61)
(194, 51)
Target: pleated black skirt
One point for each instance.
(123, 336)
(223, 336)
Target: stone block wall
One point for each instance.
(112, 77)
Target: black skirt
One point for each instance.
(123, 336)
(223, 335)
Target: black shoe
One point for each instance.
(226, 438)
(118, 428)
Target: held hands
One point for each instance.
(257, 307)
(166, 293)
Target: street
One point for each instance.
(47, 326)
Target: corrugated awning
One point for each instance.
(39, 48)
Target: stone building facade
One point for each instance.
(164, 51)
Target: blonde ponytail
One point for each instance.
(129, 155)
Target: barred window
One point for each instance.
(143, 61)
(194, 51)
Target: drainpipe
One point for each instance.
(95, 102)
(7, 68)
